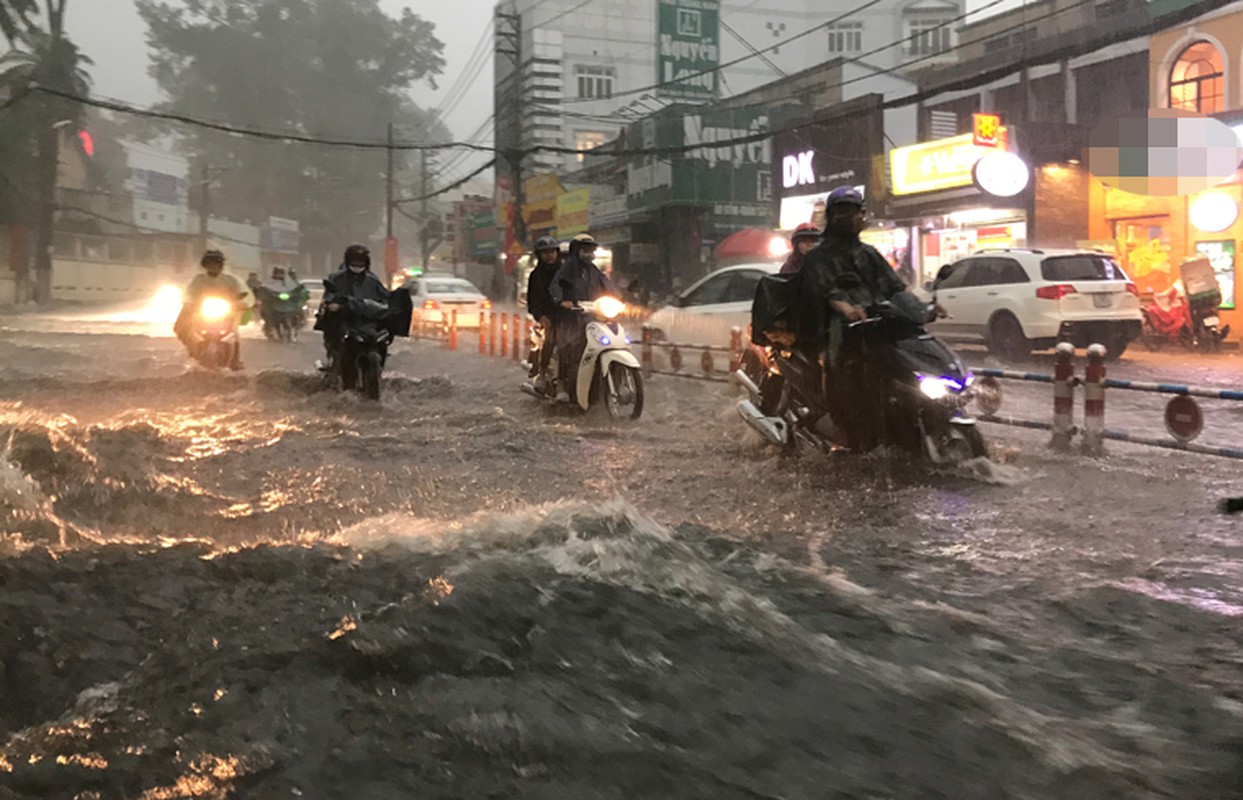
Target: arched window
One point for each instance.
(1197, 80)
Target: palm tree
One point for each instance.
(15, 13)
(44, 58)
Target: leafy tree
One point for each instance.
(322, 68)
(30, 130)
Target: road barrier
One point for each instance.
(1184, 419)
(707, 357)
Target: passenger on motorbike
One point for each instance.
(540, 304)
(804, 238)
(354, 279)
(578, 280)
(213, 280)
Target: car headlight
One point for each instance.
(610, 307)
(214, 309)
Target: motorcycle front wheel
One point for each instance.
(621, 388)
(370, 368)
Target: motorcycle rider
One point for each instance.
(539, 301)
(844, 276)
(805, 237)
(353, 279)
(213, 280)
(280, 283)
(578, 280)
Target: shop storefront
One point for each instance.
(957, 196)
(814, 158)
(1153, 235)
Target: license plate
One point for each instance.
(1211, 322)
(1101, 300)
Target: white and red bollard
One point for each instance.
(1064, 397)
(1094, 402)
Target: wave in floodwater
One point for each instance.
(562, 651)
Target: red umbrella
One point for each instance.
(753, 244)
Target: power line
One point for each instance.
(971, 81)
(123, 108)
(474, 54)
(740, 59)
(730, 30)
(448, 188)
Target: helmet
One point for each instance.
(582, 240)
(844, 195)
(546, 243)
(805, 230)
(357, 252)
(211, 255)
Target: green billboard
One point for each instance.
(688, 43)
(727, 167)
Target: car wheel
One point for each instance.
(1115, 346)
(1006, 339)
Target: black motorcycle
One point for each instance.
(367, 328)
(898, 386)
(283, 312)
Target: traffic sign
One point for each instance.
(1183, 419)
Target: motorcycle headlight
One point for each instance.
(283, 295)
(214, 309)
(935, 388)
(610, 307)
(606, 341)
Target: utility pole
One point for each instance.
(424, 190)
(204, 206)
(389, 185)
(509, 124)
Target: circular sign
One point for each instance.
(1001, 174)
(988, 396)
(1183, 419)
(1214, 212)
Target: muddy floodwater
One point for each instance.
(241, 586)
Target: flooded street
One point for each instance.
(241, 586)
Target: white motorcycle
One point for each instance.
(607, 372)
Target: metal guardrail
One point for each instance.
(1183, 417)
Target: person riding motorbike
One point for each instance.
(267, 295)
(844, 276)
(213, 280)
(539, 301)
(578, 280)
(805, 237)
(353, 279)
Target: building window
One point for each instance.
(846, 37)
(1197, 80)
(928, 37)
(595, 83)
(587, 140)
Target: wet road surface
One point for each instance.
(242, 586)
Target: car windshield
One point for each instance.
(451, 287)
(1081, 268)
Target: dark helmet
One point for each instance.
(844, 195)
(547, 243)
(805, 230)
(357, 252)
(211, 255)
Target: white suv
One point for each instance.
(1019, 300)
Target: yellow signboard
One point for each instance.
(573, 212)
(933, 166)
(540, 207)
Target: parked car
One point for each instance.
(436, 297)
(705, 313)
(1019, 300)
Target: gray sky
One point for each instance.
(111, 33)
